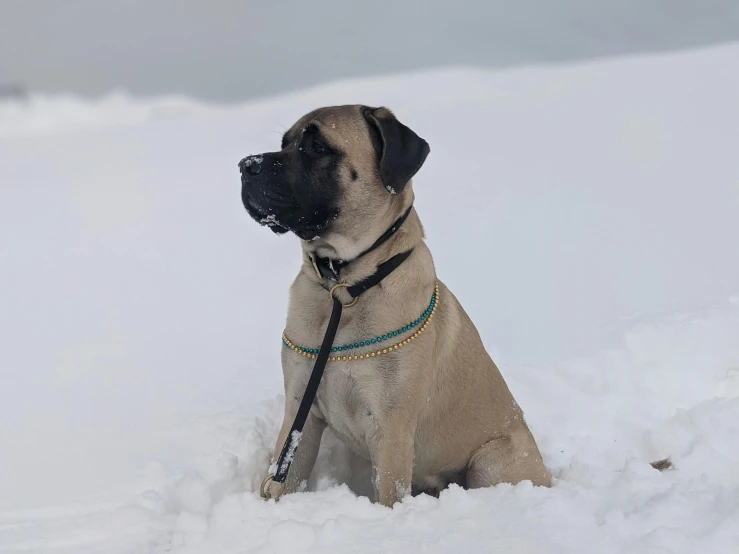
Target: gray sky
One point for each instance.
(230, 50)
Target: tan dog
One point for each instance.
(432, 411)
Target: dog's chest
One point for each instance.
(354, 395)
(349, 400)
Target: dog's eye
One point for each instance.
(318, 147)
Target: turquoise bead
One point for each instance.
(373, 341)
(356, 345)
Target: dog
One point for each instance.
(423, 401)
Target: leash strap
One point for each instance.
(383, 270)
(296, 430)
(329, 269)
(389, 233)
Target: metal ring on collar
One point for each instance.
(263, 492)
(342, 285)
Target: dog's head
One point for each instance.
(342, 172)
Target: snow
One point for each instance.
(295, 438)
(584, 215)
(43, 114)
(269, 221)
(252, 159)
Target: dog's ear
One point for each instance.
(401, 151)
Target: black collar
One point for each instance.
(329, 268)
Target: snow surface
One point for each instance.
(43, 114)
(586, 217)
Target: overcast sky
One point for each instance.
(229, 50)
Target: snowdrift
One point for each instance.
(596, 205)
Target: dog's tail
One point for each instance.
(661, 465)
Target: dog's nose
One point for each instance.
(251, 165)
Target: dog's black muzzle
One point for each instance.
(277, 190)
(266, 196)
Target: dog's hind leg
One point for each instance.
(509, 458)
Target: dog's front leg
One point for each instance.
(392, 461)
(305, 455)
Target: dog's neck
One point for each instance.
(402, 235)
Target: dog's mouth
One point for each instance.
(264, 215)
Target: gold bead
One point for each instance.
(384, 351)
(373, 354)
(395, 347)
(356, 357)
(344, 358)
(361, 356)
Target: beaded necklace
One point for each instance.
(422, 321)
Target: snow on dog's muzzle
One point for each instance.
(251, 165)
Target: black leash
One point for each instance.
(296, 430)
(293, 438)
